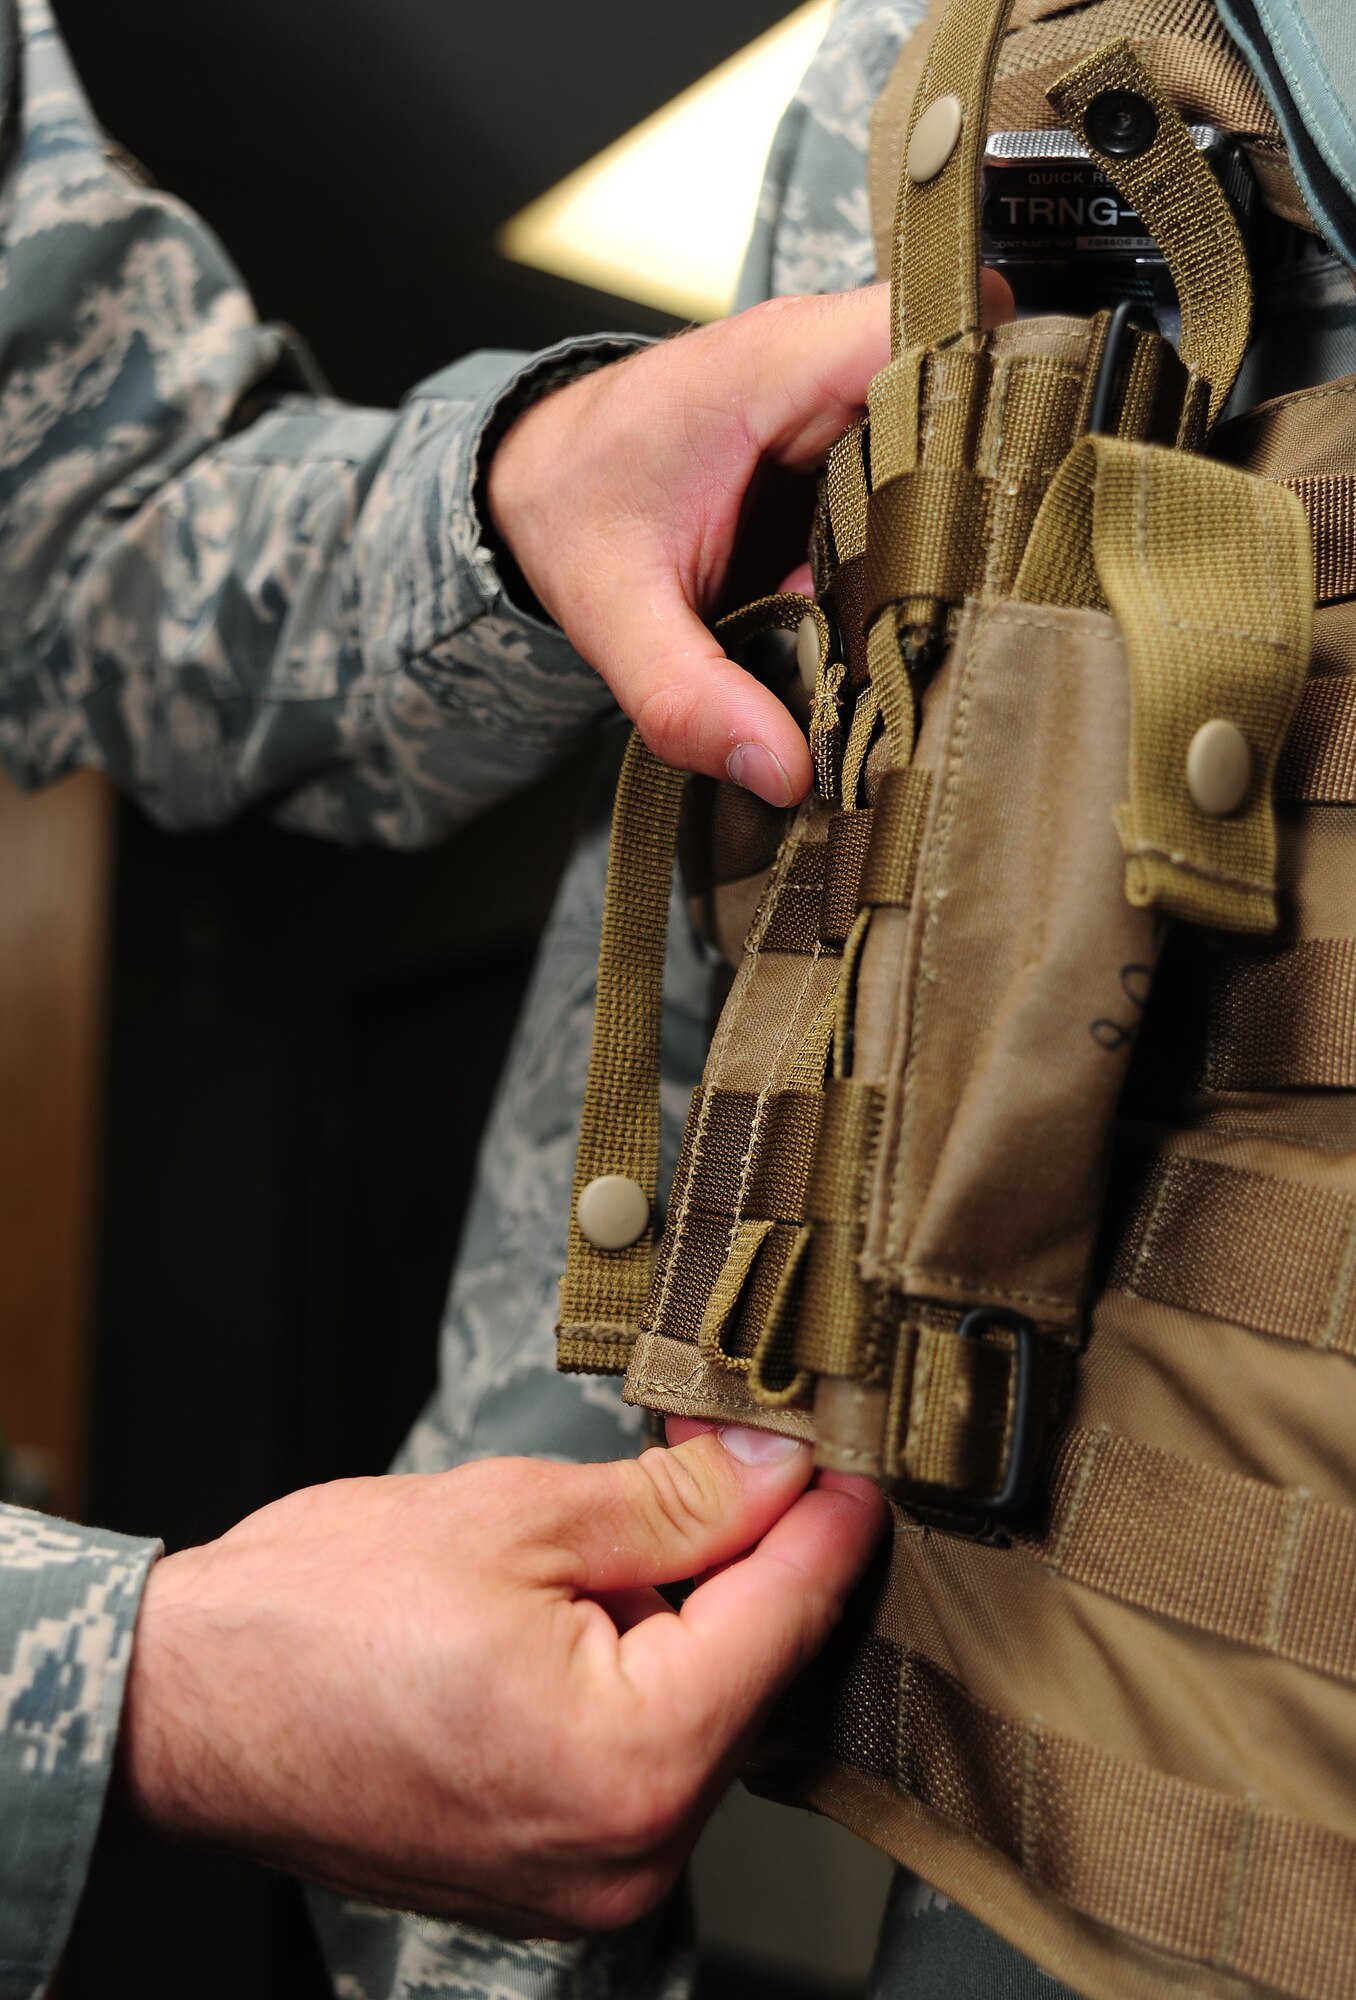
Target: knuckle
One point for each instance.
(669, 718)
(678, 1495)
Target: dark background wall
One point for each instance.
(290, 1120)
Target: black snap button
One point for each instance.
(1121, 123)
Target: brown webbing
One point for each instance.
(1185, 209)
(935, 269)
(1205, 1875)
(603, 1292)
(901, 812)
(1329, 503)
(796, 894)
(1272, 1255)
(1267, 1567)
(1208, 573)
(849, 839)
(1318, 763)
(1285, 1020)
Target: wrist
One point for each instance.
(159, 1774)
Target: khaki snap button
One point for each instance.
(807, 651)
(1219, 768)
(612, 1212)
(934, 140)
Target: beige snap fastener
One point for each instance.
(807, 651)
(934, 140)
(1219, 768)
(612, 1212)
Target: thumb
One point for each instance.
(695, 708)
(668, 1515)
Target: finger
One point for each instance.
(694, 707)
(744, 1634)
(812, 368)
(666, 1515)
(995, 298)
(677, 1430)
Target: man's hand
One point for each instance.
(462, 1693)
(622, 496)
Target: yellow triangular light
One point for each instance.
(664, 214)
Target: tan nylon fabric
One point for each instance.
(1209, 574)
(956, 1017)
(1288, 1588)
(603, 1291)
(1127, 1739)
(1318, 762)
(1186, 211)
(936, 299)
(1182, 1868)
(1275, 1255)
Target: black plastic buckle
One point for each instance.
(1131, 315)
(1025, 1429)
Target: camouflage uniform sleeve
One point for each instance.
(68, 1602)
(298, 610)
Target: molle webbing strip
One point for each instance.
(1182, 204)
(849, 840)
(934, 275)
(1209, 574)
(797, 892)
(1329, 503)
(603, 1292)
(950, 1418)
(837, 1313)
(1285, 1020)
(1287, 1586)
(926, 539)
(845, 485)
(1318, 763)
(756, 1153)
(1204, 1875)
(899, 818)
(1271, 1255)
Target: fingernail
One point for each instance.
(754, 767)
(758, 1447)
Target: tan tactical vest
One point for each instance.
(1022, 1174)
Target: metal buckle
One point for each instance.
(1025, 1430)
(1130, 315)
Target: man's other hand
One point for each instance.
(462, 1693)
(623, 494)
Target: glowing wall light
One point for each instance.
(664, 214)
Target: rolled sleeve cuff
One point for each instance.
(69, 1598)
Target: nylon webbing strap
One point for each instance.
(1329, 503)
(849, 839)
(950, 1419)
(1318, 762)
(1288, 1586)
(837, 1316)
(603, 1292)
(1209, 1876)
(900, 815)
(1208, 572)
(796, 894)
(935, 269)
(1285, 1020)
(1251, 1249)
(1170, 186)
